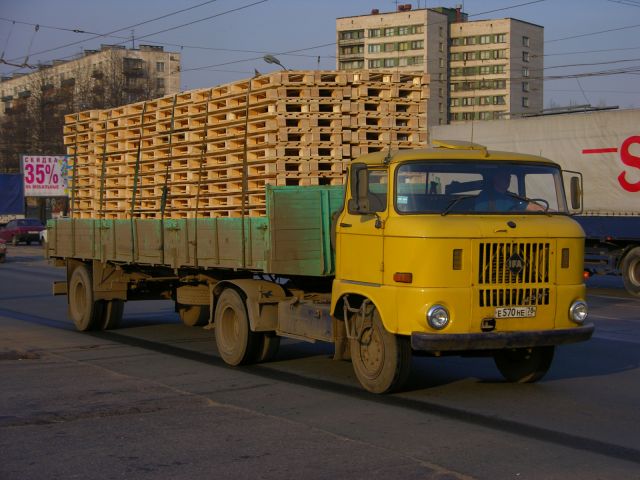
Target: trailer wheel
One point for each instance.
(112, 314)
(269, 348)
(630, 269)
(193, 315)
(236, 343)
(524, 365)
(85, 312)
(381, 360)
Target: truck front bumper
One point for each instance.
(499, 340)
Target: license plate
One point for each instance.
(33, 232)
(515, 312)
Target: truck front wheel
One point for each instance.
(524, 365)
(381, 360)
(84, 310)
(630, 269)
(236, 343)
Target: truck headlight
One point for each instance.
(438, 317)
(578, 311)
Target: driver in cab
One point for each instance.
(496, 197)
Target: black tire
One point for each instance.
(112, 311)
(524, 365)
(193, 315)
(630, 269)
(381, 360)
(85, 312)
(237, 344)
(270, 344)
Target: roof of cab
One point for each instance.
(448, 150)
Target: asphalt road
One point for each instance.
(153, 400)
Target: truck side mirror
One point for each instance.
(576, 193)
(359, 182)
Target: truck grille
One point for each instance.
(513, 273)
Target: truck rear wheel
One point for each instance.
(193, 315)
(524, 365)
(236, 343)
(381, 360)
(84, 310)
(630, 269)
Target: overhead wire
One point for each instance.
(129, 27)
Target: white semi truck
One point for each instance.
(604, 147)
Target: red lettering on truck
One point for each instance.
(631, 160)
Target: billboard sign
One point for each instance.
(45, 175)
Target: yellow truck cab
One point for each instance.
(455, 249)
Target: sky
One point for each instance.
(592, 47)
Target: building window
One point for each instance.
(160, 82)
(353, 65)
(353, 50)
(525, 42)
(375, 48)
(441, 46)
(484, 39)
(501, 38)
(525, 56)
(525, 102)
(525, 71)
(159, 66)
(351, 34)
(375, 32)
(377, 63)
(441, 63)
(389, 32)
(525, 86)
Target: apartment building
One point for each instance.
(97, 78)
(479, 70)
(404, 41)
(495, 69)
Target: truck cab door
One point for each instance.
(360, 227)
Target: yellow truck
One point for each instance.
(448, 250)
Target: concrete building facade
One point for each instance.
(495, 69)
(130, 73)
(479, 70)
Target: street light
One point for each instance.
(272, 59)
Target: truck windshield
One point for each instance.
(471, 187)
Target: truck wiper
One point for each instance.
(454, 202)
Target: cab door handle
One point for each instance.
(345, 225)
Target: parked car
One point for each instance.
(22, 230)
(3, 251)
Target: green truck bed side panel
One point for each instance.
(293, 239)
(300, 229)
(74, 240)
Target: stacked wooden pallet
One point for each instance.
(210, 152)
